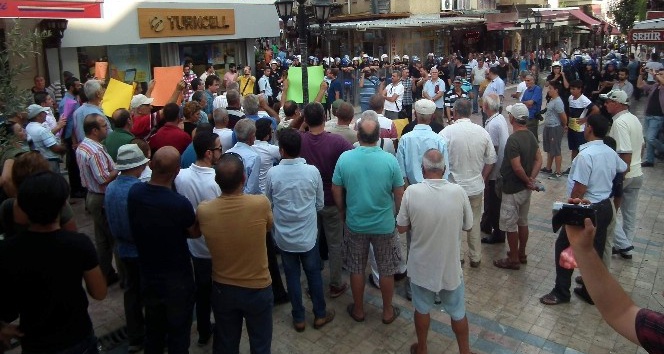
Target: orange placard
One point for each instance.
(101, 69)
(165, 80)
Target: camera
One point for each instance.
(572, 214)
(540, 115)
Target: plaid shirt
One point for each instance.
(650, 330)
(407, 98)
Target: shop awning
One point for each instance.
(589, 21)
(57, 9)
(497, 26)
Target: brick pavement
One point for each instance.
(503, 309)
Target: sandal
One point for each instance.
(350, 308)
(552, 299)
(413, 348)
(522, 259)
(505, 263)
(395, 315)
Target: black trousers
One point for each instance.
(73, 172)
(203, 280)
(491, 216)
(169, 308)
(133, 302)
(278, 289)
(564, 276)
(409, 111)
(637, 91)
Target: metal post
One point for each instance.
(302, 34)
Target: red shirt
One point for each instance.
(170, 135)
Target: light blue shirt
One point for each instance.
(115, 203)
(430, 89)
(252, 166)
(295, 190)
(369, 176)
(595, 167)
(79, 117)
(412, 147)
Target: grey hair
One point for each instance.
(250, 105)
(529, 76)
(364, 136)
(244, 129)
(524, 73)
(233, 96)
(220, 115)
(492, 102)
(233, 86)
(433, 160)
(462, 108)
(91, 88)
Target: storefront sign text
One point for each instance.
(185, 22)
(646, 36)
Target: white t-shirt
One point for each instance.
(197, 184)
(628, 133)
(391, 90)
(270, 156)
(437, 212)
(225, 137)
(521, 88)
(387, 145)
(220, 102)
(470, 148)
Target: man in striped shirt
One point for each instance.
(97, 171)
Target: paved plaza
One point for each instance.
(503, 306)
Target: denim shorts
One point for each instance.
(452, 300)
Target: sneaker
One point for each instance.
(555, 176)
(336, 291)
(566, 172)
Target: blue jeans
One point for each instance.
(476, 93)
(625, 230)
(232, 304)
(651, 127)
(310, 262)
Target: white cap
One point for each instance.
(424, 106)
(35, 109)
(130, 156)
(616, 96)
(405, 57)
(519, 111)
(140, 100)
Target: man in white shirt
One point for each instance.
(225, 134)
(478, 74)
(268, 153)
(42, 139)
(197, 184)
(498, 129)
(521, 87)
(436, 211)
(471, 157)
(264, 87)
(209, 70)
(434, 90)
(393, 94)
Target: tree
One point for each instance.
(14, 56)
(625, 13)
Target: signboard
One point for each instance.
(51, 9)
(160, 23)
(646, 36)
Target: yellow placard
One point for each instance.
(118, 95)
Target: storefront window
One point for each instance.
(129, 63)
(219, 54)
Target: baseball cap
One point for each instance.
(130, 156)
(35, 109)
(519, 111)
(140, 100)
(617, 96)
(424, 106)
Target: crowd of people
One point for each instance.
(194, 204)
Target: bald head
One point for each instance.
(229, 173)
(165, 164)
(368, 129)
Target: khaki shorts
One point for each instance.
(514, 210)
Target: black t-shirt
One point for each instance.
(591, 81)
(654, 108)
(159, 218)
(42, 274)
(609, 76)
(523, 144)
(436, 127)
